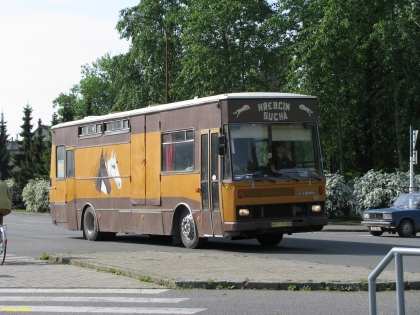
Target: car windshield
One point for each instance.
(408, 200)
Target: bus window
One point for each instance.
(69, 163)
(60, 161)
(178, 151)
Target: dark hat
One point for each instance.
(279, 143)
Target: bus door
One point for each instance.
(70, 199)
(211, 216)
(64, 204)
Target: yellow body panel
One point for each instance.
(153, 157)
(91, 184)
(138, 167)
(185, 185)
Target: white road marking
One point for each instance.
(86, 291)
(90, 299)
(92, 309)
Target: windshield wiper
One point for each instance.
(289, 176)
(316, 177)
(271, 179)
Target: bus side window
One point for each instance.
(70, 164)
(178, 151)
(60, 161)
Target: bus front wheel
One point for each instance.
(269, 239)
(188, 231)
(90, 225)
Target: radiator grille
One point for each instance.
(376, 216)
(272, 192)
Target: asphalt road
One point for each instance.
(34, 235)
(200, 302)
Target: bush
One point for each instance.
(35, 195)
(378, 190)
(15, 191)
(339, 195)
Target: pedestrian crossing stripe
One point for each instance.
(103, 310)
(86, 291)
(91, 299)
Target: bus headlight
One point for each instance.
(244, 212)
(316, 208)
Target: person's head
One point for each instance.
(280, 147)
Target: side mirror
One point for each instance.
(222, 145)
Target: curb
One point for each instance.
(235, 285)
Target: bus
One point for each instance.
(192, 170)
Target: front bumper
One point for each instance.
(382, 224)
(304, 224)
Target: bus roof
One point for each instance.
(181, 104)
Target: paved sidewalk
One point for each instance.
(34, 273)
(192, 269)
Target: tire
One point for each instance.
(90, 225)
(269, 239)
(3, 247)
(376, 233)
(406, 228)
(188, 231)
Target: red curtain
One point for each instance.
(170, 155)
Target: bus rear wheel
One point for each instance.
(90, 225)
(269, 239)
(188, 231)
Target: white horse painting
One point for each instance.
(105, 171)
(112, 169)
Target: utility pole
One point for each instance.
(413, 156)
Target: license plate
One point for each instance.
(375, 228)
(280, 224)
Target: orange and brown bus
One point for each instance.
(192, 170)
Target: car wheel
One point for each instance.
(376, 233)
(406, 228)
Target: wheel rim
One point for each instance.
(187, 227)
(407, 229)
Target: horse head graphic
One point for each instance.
(105, 170)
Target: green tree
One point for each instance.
(24, 158)
(66, 106)
(147, 55)
(396, 40)
(46, 156)
(227, 49)
(5, 157)
(38, 147)
(345, 52)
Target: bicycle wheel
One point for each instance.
(3, 245)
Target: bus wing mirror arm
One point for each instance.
(222, 145)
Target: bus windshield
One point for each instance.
(258, 149)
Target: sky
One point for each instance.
(44, 43)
